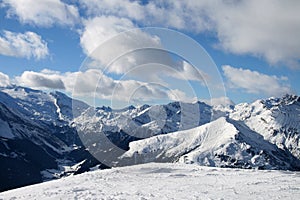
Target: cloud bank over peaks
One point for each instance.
(42, 80)
(94, 84)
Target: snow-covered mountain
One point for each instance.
(50, 135)
(276, 119)
(221, 143)
(263, 134)
(36, 141)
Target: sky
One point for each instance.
(122, 52)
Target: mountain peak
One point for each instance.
(285, 100)
(50, 127)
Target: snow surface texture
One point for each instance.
(166, 181)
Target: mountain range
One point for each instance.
(46, 136)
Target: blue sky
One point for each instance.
(54, 45)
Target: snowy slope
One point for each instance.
(166, 181)
(35, 136)
(40, 106)
(221, 143)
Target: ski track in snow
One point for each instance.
(166, 181)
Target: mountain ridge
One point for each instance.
(65, 133)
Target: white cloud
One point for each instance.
(42, 12)
(26, 45)
(40, 80)
(188, 72)
(85, 83)
(169, 13)
(124, 8)
(94, 84)
(122, 53)
(255, 82)
(268, 29)
(4, 80)
(99, 29)
(102, 41)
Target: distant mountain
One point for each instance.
(276, 119)
(221, 143)
(263, 134)
(49, 135)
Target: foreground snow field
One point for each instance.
(166, 181)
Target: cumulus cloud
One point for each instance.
(174, 14)
(128, 9)
(99, 29)
(111, 18)
(101, 42)
(124, 53)
(189, 72)
(41, 80)
(267, 29)
(28, 44)
(4, 80)
(41, 12)
(153, 64)
(255, 82)
(94, 84)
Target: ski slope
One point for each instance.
(166, 181)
